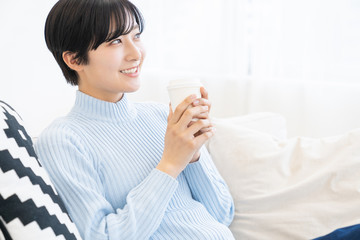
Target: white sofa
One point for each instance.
(287, 188)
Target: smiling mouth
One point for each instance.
(130, 70)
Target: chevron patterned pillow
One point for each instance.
(29, 205)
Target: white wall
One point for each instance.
(30, 79)
(311, 108)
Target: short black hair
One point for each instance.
(79, 26)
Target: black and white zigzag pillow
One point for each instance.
(29, 205)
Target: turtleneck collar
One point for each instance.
(94, 108)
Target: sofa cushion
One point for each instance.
(295, 188)
(29, 205)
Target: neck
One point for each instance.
(108, 97)
(95, 108)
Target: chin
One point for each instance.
(133, 88)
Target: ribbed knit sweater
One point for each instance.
(102, 158)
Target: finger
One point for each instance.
(206, 129)
(193, 122)
(190, 114)
(205, 96)
(198, 125)
(170, 113)
(202, 138)
(203, 130)
(202, 115)
(204, 93)
(180, 109)
(201, 101)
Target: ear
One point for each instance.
(71, 61)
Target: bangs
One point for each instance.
(114, 19)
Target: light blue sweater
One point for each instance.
(102, 158)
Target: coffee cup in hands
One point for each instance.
(181, 88)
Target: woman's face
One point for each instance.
(113, 68)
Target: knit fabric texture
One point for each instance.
(102, 159)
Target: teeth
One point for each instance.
(133, 70)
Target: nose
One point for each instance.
(133, 52)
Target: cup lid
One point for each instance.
(193, 82)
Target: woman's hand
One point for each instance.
(203, 101)
(184, 137)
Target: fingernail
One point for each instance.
(196, 102)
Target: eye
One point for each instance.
(137, 36)
(116, 41)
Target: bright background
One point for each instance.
(298, 58)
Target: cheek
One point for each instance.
(143, 54)
(110, 62)
(142, 50)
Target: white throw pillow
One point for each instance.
(298, 188)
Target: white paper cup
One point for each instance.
(182, 88)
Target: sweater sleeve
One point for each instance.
(78, 182)
(209, 188)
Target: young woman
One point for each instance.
(127, 170)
